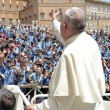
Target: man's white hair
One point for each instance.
(75, 18)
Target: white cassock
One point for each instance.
(77, 82)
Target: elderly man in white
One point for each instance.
(78, 79)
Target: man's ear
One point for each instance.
(65, 26)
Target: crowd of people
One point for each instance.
(32, 56)
(103, 40)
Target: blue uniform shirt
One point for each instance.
(10, 75)
(37, 78)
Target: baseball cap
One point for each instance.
(8, 60)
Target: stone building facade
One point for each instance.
(39, 12)
(9, 11)
(98, 15)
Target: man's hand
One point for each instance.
(2, 76)
(55, 15)
(31, 107)
(107, 87)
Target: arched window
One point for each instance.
(42, 15)
(17, 8)
(3, 7)
(51, 1)
(10, 20)
(69, 1)
(30, 15)
(42, 1)
(10, 1)
(10, 7)
(60, 1)
(3, 1)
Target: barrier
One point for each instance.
(33, 87)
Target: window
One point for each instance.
(60, 1)
(23, 20)
(41, 1)
(10, 21)
(10, 7)
(3, 21)
(3, 1)
(42, 15)
(105, 10)
(17, 8)
(69, 1)
(35, 14)
(3, 7)
(60, 15)
(81, 1)
(10, 1)
(101, 9)
(50, 14)
(17, 2)
(30, 15)
(35, 2)
(51, 1)
(108, 10)
(16, 21)
(24, 3)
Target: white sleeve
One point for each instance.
(56, 28)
